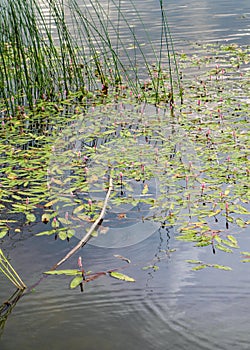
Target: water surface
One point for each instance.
(171, 308)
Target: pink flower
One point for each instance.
(79, 262)
(226, 207)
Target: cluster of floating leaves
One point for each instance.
(185, 166)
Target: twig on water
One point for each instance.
(85, 239)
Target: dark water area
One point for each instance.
(171, 307)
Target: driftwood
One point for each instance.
(85, 239)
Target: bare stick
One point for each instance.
(85, 239)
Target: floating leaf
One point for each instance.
(47, 233)
(229, 243)
(241, 210)
(171, 250)
(224, 249)
(241, 223)
(64, 272)
(70, 233)
(76, 281)
(30, 217)
(222, 267)
(199, 267)
(203, 243)
(245, 253)
(245, 260)
(57, 181)
(49, 204)
(215, 213)
(3, 233)
(45, 218)
(78, 209)
(64, 221)
(62, 235)
(121, 276)
(217, 238)
(191, 261)
(233, 240)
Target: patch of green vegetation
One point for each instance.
(70, 120)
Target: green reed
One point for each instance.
(9, 272)
(52, 47)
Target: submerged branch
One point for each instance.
(85, 239)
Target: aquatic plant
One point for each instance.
(81, 277)
(7, 269)
(57, 149)
(74, 50)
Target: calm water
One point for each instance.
(171, 308)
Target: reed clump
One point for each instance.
(50, 48)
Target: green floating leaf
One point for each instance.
(203, 243)
(215, 213)
(46, 218)
(49, 204)
(224, 249)
(121, 276)
(172, 250)
(65, 221)
(30, 217)
(245, 253)
(222, 267)
(62, 235)
(241, 210)
(217, 239)
(233, 240)
(45, 233)
(3, 233)
(230, 243)
(245, 260)
(64, 272)
(78, 209)
(241, 223)
(76, 281)
(154, 267)
(199, 267)
(191, 261)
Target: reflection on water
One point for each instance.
(198, 21)
(171, 308)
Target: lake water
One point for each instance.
(171, 308)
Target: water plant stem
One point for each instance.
(85, 239)
(7, 269)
